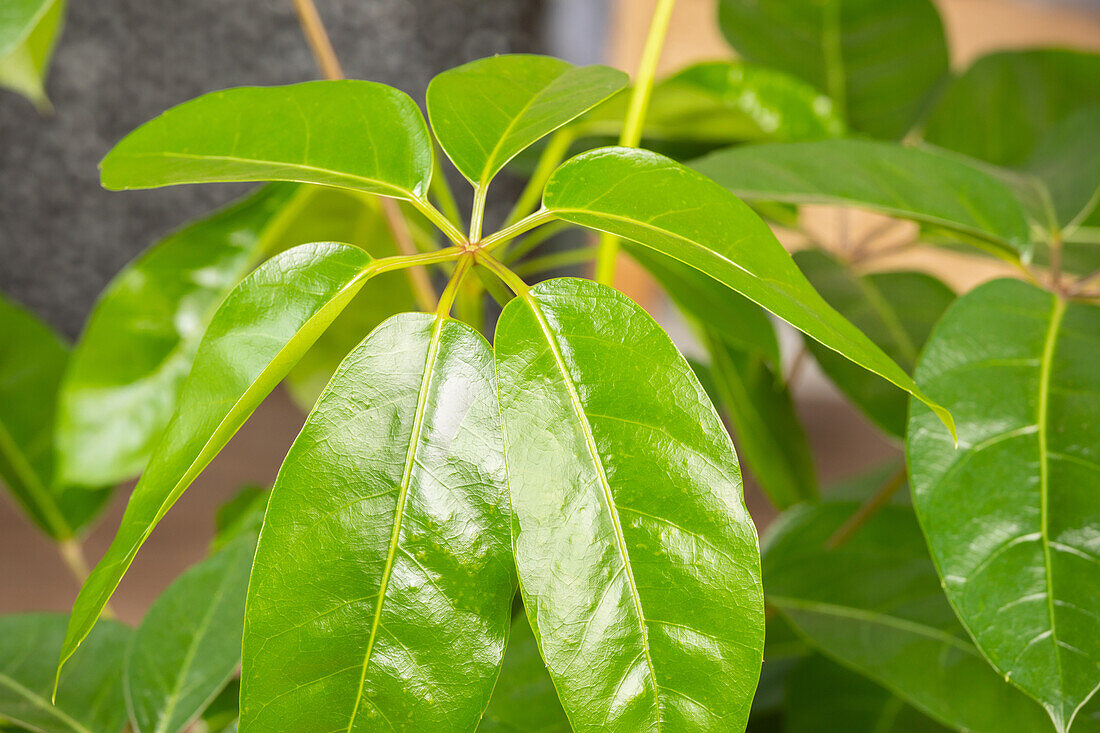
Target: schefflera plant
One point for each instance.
(578, 454)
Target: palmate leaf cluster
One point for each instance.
(540, 524)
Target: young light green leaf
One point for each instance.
(897, 310)
(383, 583)
(524, 700)
(32, 360)
(878, 61)
(660, 204)
(247, 350)
(767, 430)
(875, 605)
(910, 183)
(91, 701)
(348, 134)
(636, 557)
(1000, 107)
(189, 643)
(486, 112)
(1010, 516)
(28, 33)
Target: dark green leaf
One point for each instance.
(636, 557)
(242, 514)
(1010, 517)
(1066, 169)
(878, 61)
(220, 715)
(524, 700)
(662, 205)
(383, 582)
(91, 699)
(910, 183)
(349, 134)
(189, 643)
(487, 111)
(896, 310)
(28, 32)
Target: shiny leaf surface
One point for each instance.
(636, 557)
(382, 588)
(28, 32)
(660, 204)
(897, 310)
(487, 111)
(348, 134)
(91, 700)
(911, 183)
(259, 332)
(878, 61)
(524, 700)
(189, 643)
(1011, 516)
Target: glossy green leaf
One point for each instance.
(897, 310)
(524, 700)
(875, 605)
(348, 134)
(879, 60)
(487, 111)
(28, 32)
(91, 700)
(32, 360)
(246, 351)
(821, 693)
(767, 431)
(660, 204)
(636, 557)
(1000, 107)
(1011, 516)
(910, 183)
(382, 588)
(189, 643)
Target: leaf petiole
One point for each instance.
(447, 299)
(555, 260)
(552, 156)
(435, 216)
(498, 268)
(509, 233)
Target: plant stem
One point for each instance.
(440, 187)
(555, 260)
(867, 510)
(435, 216)
(477, 216)
(447, 299)
(635, 118)
(506, 234)
(531, 241)
(509, 278)
(797, 364)
(1056, 262)
(72, 554)
(318, 39)
(419, 281)
(551, 157)
(389, 264)
(1078, 287)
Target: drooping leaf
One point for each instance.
(524, 700)
(32, 360)
(28, 32)
(382, 587)
(1000, 107)
(664, 206)
(1010, 516)
(878, 61)
(487, 111)
(767, 431)
(348, 134)
(91, 700)
(635, 554)
(247, 350)
(189, 643)
(912, 183)
(896, 310)
(875, 605)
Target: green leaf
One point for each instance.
(220, 715)
(242, 514)
(875, 605)
(91, 700)
(32, 360)
(247, 349)
(878, 61)
(382, 588)
(911, 183)
(897, 310)
(660, 204)
(486, 112)
(767, 431)
(821, 693)
(1000, 107)
(348, 134)
(524, 700)
(1010, 516)
(28, 33)
(636, 557)
(1065, 171)
(189, 643)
